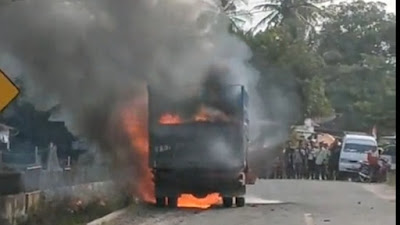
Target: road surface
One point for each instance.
(284, 202)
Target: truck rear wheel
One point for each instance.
(160, 201)
(172, 202)
(227, 202)
(240, 201)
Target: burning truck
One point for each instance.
(198, 146)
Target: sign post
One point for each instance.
(8, 91)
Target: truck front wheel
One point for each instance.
(240, 201)
(227, 202)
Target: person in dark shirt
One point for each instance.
(298, 161)
(334, 160)
(289, 161)
(311, 154)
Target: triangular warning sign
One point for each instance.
(8, 91)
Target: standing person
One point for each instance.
(303, 152)
(326, 160)
(321, 157)
(278, 168)
(284, 172)
(298, 161)
(311, 161)
(373, 158)
(289, 161)
(334, 160)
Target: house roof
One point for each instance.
(5, 127)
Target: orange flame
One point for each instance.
(136, 127)
(203, 114)
(210, 114)
(189, 201)
(170, 119)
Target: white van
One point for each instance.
(355, 148)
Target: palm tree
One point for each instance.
(302, 14)
(237, 17)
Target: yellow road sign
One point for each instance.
(8, 90)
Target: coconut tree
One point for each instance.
(237, 16)
(296, 14)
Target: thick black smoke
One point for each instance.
(94, 56)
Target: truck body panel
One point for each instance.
(199, 157)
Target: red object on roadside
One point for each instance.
(372, 159)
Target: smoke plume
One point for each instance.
(93, 57)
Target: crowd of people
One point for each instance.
(309, 159)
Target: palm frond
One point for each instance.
(314, 8)
(266, 20)
(244, 13)
(276, 19)
(266, 6)
(228, 5)
(238, 20)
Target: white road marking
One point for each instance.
(309, 219)
(253, 200)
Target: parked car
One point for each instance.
(354, 149)
(389, 153)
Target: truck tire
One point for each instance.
(240, 201)
(160, 201)
(172, 202)
(227, 201)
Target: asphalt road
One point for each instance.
(284, 202)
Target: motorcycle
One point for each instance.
(366, 174)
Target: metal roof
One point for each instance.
(360, 136)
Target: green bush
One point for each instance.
(392, 178)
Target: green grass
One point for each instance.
(392, 178)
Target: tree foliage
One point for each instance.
(298, 16)
(349, 68)
(359, 43)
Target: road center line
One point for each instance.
(309, 219)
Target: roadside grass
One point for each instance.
(391, 181)
(70, 211)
